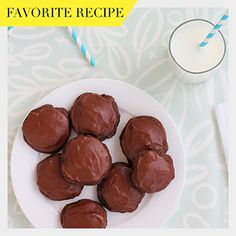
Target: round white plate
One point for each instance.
(154, 208)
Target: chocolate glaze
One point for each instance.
(46, 129)
(84, 214)
(152, 171)
(51, 182)
(85, 160)
(94, 114)
(116, 191)
(142, 133)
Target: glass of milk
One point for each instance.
(191, 63)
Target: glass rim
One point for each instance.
(192, 72)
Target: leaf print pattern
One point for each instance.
(43, 58)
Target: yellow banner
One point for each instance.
(64, 12)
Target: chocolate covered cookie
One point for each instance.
(116, 191)
(85, 160)
(84, 214)
(96, 115)
(142, 133)
(51, 182)
(152, 171)
(46, 129)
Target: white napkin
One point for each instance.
(222, 117)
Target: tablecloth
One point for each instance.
(44, 58)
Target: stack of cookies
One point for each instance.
(85, 160)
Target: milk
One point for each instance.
(192, 63)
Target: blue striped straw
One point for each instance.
(215, 29)
(9, 28)
(82, 47)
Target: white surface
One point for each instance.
(186, 51)
(222, 117)
(154, 209)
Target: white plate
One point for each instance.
(153, 210)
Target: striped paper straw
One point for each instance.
(82, 47)
(9, 28)
(214, 30)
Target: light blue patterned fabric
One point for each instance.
(42, 59)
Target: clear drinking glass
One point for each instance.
(191, 63)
